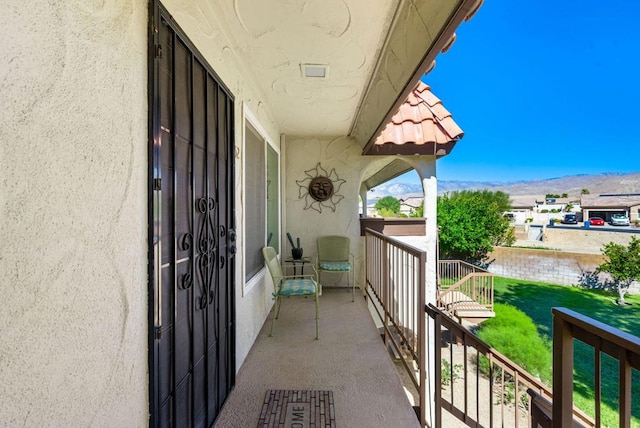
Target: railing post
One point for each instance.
(438, 370)
(474, 287)
(625, 389)
(384, 292)
(423, 335)
(562, 372)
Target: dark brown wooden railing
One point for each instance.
(395, 279)
(617, 344)
(453, 370)
(394, 226)
(482, 387)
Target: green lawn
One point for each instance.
(536, 300)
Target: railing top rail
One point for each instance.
(467, 264)
(482, 346)
(458, 284)
(398, 243)
(613, 335)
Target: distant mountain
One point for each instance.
(572, 185)
(397, 189)
(451, 186)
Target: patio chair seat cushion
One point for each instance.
(335, 266)
(297, 287)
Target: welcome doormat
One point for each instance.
(297, 409)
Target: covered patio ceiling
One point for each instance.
(337, 67)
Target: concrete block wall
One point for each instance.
(556, 267)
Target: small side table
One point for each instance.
(296, 262)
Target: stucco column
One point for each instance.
(425, 166)
(363, 197)
(426, 169)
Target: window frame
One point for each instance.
(251, 121)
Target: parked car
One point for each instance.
(596, 221)
(570, 219)
(619, 220)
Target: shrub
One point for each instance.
(389, 205)
(516, 336)
(386, 213)
(471, 223)
(449, 374)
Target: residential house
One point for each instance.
(150, 149)
(606, 205)
(409, 205)
(523, 207)
(540, 209)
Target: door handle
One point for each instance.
(157, 269)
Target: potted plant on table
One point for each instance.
(296, 249)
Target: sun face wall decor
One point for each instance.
(320, 189)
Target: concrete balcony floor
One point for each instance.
(348, 359)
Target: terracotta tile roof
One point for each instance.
(421, 126)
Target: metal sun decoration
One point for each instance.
(320, 189)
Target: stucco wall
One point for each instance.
(342, 154)
(73, 202)
(73, 195)
(74, 207)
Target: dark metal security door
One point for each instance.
(192, 336)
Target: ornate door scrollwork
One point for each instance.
(207, 249)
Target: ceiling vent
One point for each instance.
(314, 70)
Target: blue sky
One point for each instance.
(543, 89)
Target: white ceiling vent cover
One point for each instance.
(314, 70)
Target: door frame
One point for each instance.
(156, 12)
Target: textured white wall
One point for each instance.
(344, 155)
(73, 204)
(73, 201)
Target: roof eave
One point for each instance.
(360, 131)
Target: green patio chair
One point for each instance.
(334, 256)
(288, 286)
